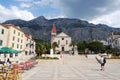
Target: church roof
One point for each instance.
(62, 34)
(54, 29)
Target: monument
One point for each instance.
(75, 50)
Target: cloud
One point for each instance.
(14, 13)
(23, 5)
(96, 11)
(111, 19)
(24, 0)
(54, 16)
(84, 9)
(34, 3)
(43, 2)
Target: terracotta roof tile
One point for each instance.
(54, 29)
(116, 33)
(11, 25)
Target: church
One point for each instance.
(62, 39)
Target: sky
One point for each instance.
(95, 11)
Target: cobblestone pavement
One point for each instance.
(73, 68)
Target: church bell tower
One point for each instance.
(53, 32)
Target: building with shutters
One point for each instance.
(14, 37)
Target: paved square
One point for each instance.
(73, 68)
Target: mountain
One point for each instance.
(79, 30)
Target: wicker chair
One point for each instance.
(20, 73)
(9, 75)
(1, 76)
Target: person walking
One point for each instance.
(103, 61)
(8, 61)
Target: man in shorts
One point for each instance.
(103, 61)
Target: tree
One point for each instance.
(96, 46)
(82, 46)
(111, 50)
(73, 43)
(38, 49)
(47, 46)
(54, 45)
(42, 47)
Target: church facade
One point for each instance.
(62, 39)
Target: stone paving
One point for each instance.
(73, 68)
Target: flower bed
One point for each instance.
(49, 58)
(114, 57)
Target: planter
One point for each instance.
(109, 55)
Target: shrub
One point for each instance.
(49, 58)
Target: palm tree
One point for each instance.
(54, 45)
(73, 43)
(47, 46)
(38, 49)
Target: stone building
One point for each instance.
(114, 40)
(63, 40)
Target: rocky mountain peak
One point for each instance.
(40, 18)
(79, 30)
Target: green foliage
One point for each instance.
(54, 45)
(39, 41)
(58, 52)
(33, 58)
(45, 58)
(73, 43)
(117, 54)
(42, 47)
(82, 46)
(96, 46)
(48, 58)
(112, 51)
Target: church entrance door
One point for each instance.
(62, 48)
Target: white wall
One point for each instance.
(20, 40)
(3, 37)
(63, 43)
